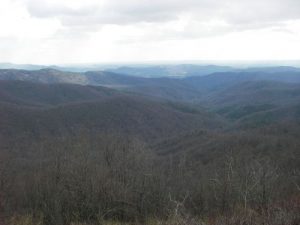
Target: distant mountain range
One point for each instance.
(172, 70)
(190, 89)
(153, 71)
(261, 97)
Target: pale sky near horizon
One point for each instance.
(97, 31)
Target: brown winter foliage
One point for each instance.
(85, 155)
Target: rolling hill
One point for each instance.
(34, 94)
(37, 109)
(184, 70)
(257, 102)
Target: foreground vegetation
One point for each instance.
(110, 179)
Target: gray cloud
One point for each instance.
(135, 11)
(207, 17)
(48, 9)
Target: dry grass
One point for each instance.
(274, 216)
(25, 220)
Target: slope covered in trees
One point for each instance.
(35, 109)
(96, 147)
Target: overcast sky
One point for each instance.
(95, 31)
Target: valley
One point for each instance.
(97, 146)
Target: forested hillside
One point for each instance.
(107, 148)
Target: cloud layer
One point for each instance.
(49, 27)
(235, 12)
